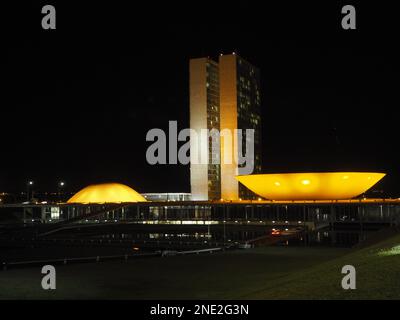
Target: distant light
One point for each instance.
(44, 202)
(273, 221)
(286, 229)
(30, 183)
(240, 199)
(233, 53)
(390, 251)
(259, 199)
(62, 183)
(305, 182)
(299, 221)
(345, 177)
(277, 183)
(286, 221)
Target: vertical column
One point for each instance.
(229, 121)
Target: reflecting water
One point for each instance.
(327, 238)
(330, 238)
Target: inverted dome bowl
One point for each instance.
(310, 186)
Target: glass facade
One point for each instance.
(213, 122)
(249, 114)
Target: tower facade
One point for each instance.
(205, 179)
(223, 95)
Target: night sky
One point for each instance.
(76, 103)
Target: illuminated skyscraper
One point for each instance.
(224, 95)
(204, 114)
(240, 108)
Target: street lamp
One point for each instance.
(61, 184)
(28, 186)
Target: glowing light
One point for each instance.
(277, 183)
(107, 193)
(311, 186)
(394, 251)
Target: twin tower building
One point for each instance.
(223, 95)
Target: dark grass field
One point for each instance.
(219, 275)
(261, 273)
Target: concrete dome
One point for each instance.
(106, 193)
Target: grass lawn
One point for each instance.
(261, 273)
(377, 270)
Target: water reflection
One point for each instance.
(327, 238)
(330, 238)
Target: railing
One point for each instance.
(29, 263)
(126, 257)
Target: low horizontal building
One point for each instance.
(177, 196)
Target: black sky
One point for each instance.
(76, 102)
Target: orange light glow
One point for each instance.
(107, 193)
(275, 232)
(311, 186)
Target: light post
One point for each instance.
(61, 184)
(28, 187)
